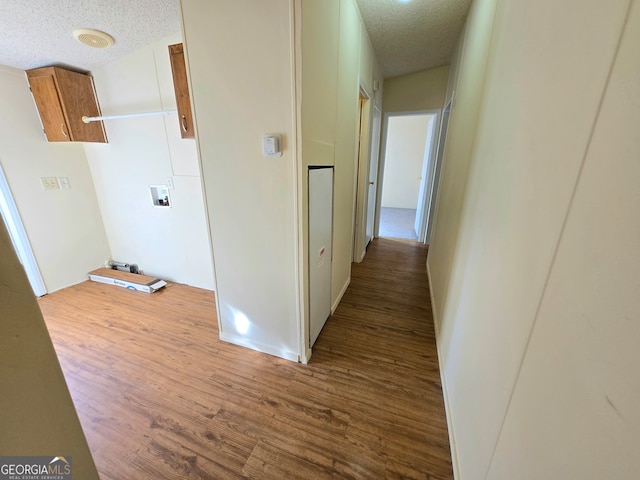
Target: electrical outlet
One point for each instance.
(49, 183)
(64, 183)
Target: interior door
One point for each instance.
(373, 173)
(320, 248)
(420, 224)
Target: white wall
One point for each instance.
(423, 90)
(515, 263)
(470, 58)
(317, 37)
(64, 226)
(574, 412)
(336, 59)
(260, 236)
(403, 159)
(170, 243)
(240, 58)
(349, 64)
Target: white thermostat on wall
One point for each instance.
(271, 145)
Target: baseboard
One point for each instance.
(260, 347)
(340, 295)
(306, 356)
(443, 381)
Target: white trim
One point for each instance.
(374, 227)
(431, 174)
(443, 381)
(260, 347)
(340, 295)
(438, 164)
(18, 234)
(301, 179)
(437, 112)
(361, 172)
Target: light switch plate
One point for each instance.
(64, 183)
(49, 183)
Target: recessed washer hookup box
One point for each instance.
(131, 281)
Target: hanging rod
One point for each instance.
(86, 119)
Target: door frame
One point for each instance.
(437, 113)
(439, 156)
(374, 149)
(361, 180)
(13, 222)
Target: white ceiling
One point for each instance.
(407, 37)
(37, 33)
(413, 35)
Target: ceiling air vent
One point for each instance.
(93, 38)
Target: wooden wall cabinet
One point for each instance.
(181, 88)
(63, 97)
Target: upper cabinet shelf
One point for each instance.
(181, 87)
(63, 97)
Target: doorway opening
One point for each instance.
(18, 235)
(407, 175)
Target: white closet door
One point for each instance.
(320, 252)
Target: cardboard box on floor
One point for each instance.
(131, 281)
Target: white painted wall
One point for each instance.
(369, 75)
(574, 412)
(403, 159)
(521, 274)
(336, 57)
(423, 90)
(242, 87)
(64, 226)
(170, 243)
(317, 42)
(349, 65)
(260, 236)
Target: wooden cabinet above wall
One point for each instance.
(181, 87)
(63, 97)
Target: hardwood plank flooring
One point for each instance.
(160, 397)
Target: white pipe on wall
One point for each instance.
(86, 119)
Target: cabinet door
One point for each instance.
(181, 87)
(78, 98)
(63, 97)
(47, 101)
(320, 248)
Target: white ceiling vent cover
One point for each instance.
(93, 38)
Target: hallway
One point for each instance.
(159, 396)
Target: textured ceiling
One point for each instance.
(36, 33)
(407, 36)
(414, 35)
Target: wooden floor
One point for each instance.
(160, 397)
